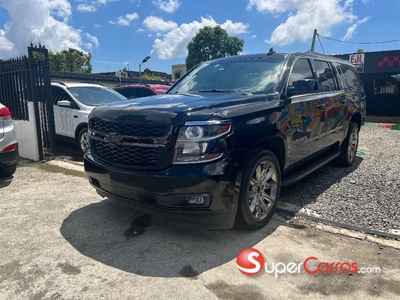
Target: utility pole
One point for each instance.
(313, 40)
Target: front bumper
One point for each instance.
(166, 192)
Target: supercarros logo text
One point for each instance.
(251, 262)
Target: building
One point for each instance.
(380, 73)
(178, 71)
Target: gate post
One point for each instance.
(32, 81)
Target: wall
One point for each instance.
(27, 137)
(181, 69)
(377, 70)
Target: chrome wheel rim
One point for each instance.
(353, 144)
(263, 190)
(85, 141)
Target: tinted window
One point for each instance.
(143, 93)
(127, 92)
(350, 77)
(94, 96)
(325, 75)
(301, 71)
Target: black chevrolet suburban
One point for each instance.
(215, 150)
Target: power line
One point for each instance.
(323, 50)
(361, 43)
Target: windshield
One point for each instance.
(95, 96)
(243, 75)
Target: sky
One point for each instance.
(121, 33)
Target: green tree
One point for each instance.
(71, 60)
(360, 50)
(210, 43)
(151, 77)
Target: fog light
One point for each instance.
(196, 200)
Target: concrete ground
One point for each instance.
(60, 240)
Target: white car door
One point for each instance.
(67, 113)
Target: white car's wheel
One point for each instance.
(83, 140)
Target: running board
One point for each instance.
(311, 167)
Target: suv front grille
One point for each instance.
(130, 144)
(126, 155)
(130, 129)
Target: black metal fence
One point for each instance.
(27, 79)
(14, 86)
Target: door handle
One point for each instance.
(321, 106)
(75, 116)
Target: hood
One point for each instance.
(175, 107)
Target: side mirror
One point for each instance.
(304, 86)
(64, 103)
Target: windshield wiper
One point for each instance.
(224, 91)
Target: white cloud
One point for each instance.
(125, 21)
(352, 29)
(304, 17)
(168, 6)
(93, 42)
(175, 42)
(104, 2)
(41, 24)
(158, 24)
(271, 6)
(86, 8)
(5, 44)
(235, 28)
(60, 8)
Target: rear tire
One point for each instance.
(7, 170)
(259, 192)
(348, 149)
(83, 140)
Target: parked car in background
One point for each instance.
(73, 102)
(8, 143)
(132, 91)
(216, 149)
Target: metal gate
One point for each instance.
(27, 79)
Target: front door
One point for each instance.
(65, 118)
(307, 113)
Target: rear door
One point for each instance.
(333, 98)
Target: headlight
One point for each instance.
(200, 141)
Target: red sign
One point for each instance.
(358, 61)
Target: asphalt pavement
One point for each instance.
(60, 240)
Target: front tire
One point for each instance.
(259, 192)
(348, 149)
(83, 140)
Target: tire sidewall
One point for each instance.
(348, 141)
(244, 215)
(81, 133)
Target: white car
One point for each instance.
(73, 102)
